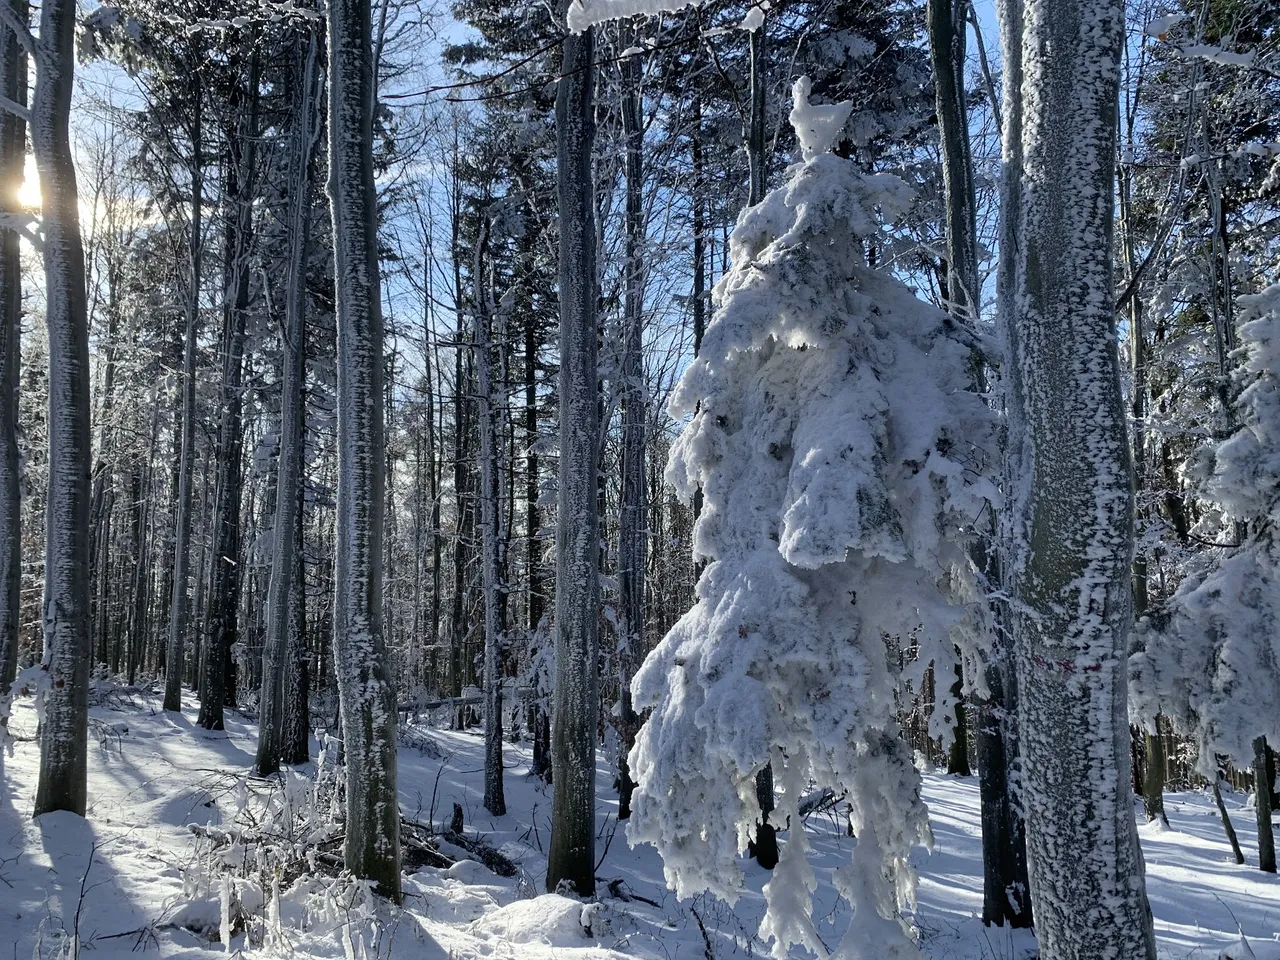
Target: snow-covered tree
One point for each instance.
(842, 460)
(1210, 656)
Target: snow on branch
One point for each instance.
(843, 458)
(584, 14)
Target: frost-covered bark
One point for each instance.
(178, 613)
(1071, 496)
(482, 332)
(283, 584)
(296, 736)
(631, 523)
(834, 435)
(571, 859)
(13, 136)
(372, 847)
(64, 728)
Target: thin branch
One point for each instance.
(18, 110)
(996, 111)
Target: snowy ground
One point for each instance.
(115, 884)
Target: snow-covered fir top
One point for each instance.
(842, 457)
(817, 127)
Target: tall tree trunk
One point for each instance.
(946, 20)
(457, 629)
(13, 151)
(494, 796)
(219, 687)
(540, 720)
(372, 847)
(1004, 849)
(571, 859)
(631, 525)
(1072, 500)
(65, 727)
(1006, 885)
(178, 613)
(280, 591)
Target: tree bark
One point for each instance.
(540, 720)
(631, 525)
(1071, 485)
(13, 150)
(365, 692)
(178, 613)
(296, 744)
(282, 586)
(1262, 805)
(219, 686)
(494, 796)
(571, 859)
(64, 730)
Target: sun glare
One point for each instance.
(29, 192)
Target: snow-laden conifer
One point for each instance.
(1210, 657)
(842, 459)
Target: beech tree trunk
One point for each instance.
(1071, 485)
(571, 859)
(365, 691)
(65, 727)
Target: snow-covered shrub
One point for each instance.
(1209, 658)
(843, 459)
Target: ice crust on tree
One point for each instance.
(843, 460)
(1209, 659)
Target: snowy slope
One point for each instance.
(152, 773)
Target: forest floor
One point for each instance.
(128, 880)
